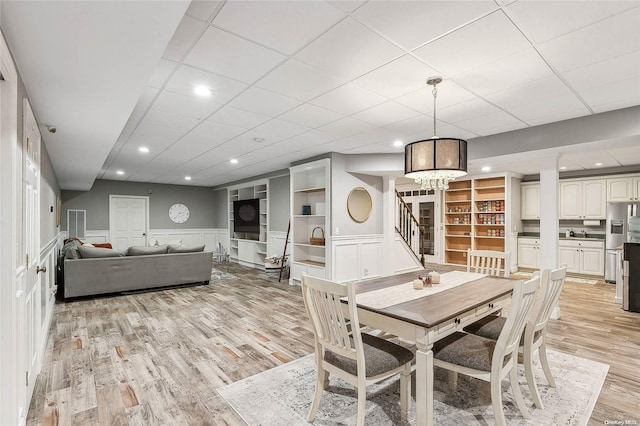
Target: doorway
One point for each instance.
(128, 219)
(425, 207)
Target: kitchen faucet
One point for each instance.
(584, 233)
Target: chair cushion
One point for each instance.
(489, 327)
(380, 356)
(467, 350)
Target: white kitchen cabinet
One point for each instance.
(582, 256)
(530, 201)
(583, 199)
(623, 188)
(528, 253)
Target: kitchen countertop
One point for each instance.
(562, 237)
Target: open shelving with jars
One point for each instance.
(310, 225)
(249, 247)
(477, 213)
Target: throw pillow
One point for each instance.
(97, 252)
(185, 249)
(103, 245)
(70, 249)
(145, 250)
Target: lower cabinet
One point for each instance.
(582, 257)
(306, 267)
(528, 253)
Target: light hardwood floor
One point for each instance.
(157, 357)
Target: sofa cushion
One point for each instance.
(94, 252)
(175, 248)
(145, 250)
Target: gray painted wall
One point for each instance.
(221, 208)
(200, 201)
(49, 191)
(279, 201)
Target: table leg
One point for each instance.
(424, 385)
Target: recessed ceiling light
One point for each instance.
(486, 169)
(202, 90)
(398, 143)
(120, 172)
(234, 161)
(563, 168)
(143, 149)
(598, 164)
(187, 178)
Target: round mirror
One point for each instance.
(359, 204)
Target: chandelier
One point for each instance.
(434, 162)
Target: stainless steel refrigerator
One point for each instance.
(617, 227)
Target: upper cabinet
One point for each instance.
(623, 188)
(583, 199)
(530, 199)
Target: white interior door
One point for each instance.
(31, 308)
(128, 218)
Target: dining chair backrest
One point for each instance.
(489, 262)
(550, 288)
(333, 331)
(522, 303)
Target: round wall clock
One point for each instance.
(179, 213)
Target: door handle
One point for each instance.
(39, 269)
(144, 234)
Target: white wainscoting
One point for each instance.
(275, 243)
(356, 257)
(48, 287)
(403, 258)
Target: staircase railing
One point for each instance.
(408, 227)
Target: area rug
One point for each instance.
(221, 274)
(282, 396)
(523, 274)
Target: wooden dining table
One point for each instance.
(425, 316)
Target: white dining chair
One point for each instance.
(491, 360)
(489, 262)
(341, 349)
(534, 338)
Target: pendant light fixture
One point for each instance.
(436, 161)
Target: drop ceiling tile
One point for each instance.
(513, 70)
(420, 123)
(202, 9)
(310, 116)
(238, 118)
(476, 44)
(552, 107)
(496, 120)
(231, 56)
(264, 102)
(155, 137)
(166, 119)
(274, 23)
(611, 70)
(208, 135)
(567, 115)
(315, 137)
(386, 113)
(588, 159)
(412, 23)
(376, 135)
(403, 75)
(161, 72)
(299, 81)
(190, 106)
(280, 128)
(345, 144)
(619, 91)
(501, 128)
(544, 20)
(186, 78)
(347, 5)
(348, 99)
(443, 130)
(466, 111)
(611, 106)
(626, 156)
(250, 141)
(346, 127)
(184, 37)
(603, 40)
(530, 93)
(348, 50)
(449, 94)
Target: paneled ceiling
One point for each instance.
(290, 80)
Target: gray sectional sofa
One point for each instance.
(94, 271)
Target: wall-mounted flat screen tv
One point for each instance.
(246, 216)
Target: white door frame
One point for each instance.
(146, 212)
(9, 376)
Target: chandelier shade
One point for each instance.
(432, 163)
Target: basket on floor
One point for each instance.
(317, 241)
